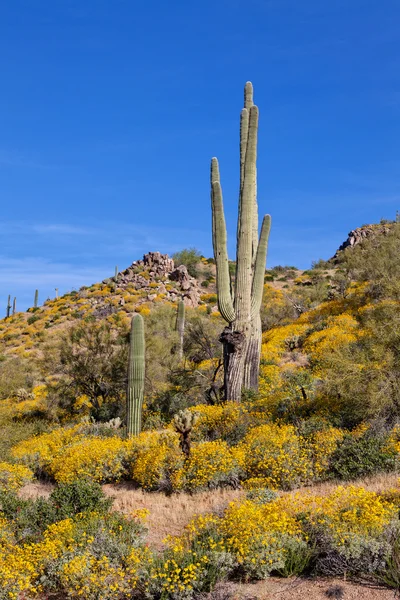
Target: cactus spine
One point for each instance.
(14, 309)
(8, 306)
(36, 300)
(241, 307)
(180, 326)
(136, 369)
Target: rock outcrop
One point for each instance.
(156, 274)
(356, 236)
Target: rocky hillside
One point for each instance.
(149, 281)
(356, 236)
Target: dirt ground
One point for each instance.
(300, 589)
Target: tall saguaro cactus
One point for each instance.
(36, 300)
(8, 306)
(14, 308)
(180, 326)
(136, 371)
(241, 307)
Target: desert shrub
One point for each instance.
(261, 495)
(15, 373)
(261, 537)
(351, 530)
(272, 456)
(189, 257)
(93, 358)
(97, 459)
(39, 452)
(78, 497)
(219, 421)
(152, 456)
(360, 456)
(13, 477)
(210, 465)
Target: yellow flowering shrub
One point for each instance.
(261, 536)
(98, 459)
(320, 446)
(210, 465)
(13, 477)
(273, 456)
(275, 341)
(39, 452)
(152, 456)
(339, 331)
(216, 421)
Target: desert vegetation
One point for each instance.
(268, 401)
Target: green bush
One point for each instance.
(189, 257)
(361, 456)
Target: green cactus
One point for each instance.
(14, 308)
(183, 423)
(116, 272)
(136, 370)
(180, 326)
(241, 307)
(36, 300)
(8, 307)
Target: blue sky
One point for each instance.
(111, 110)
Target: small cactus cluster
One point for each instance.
(240, 307)
(136, 373)
(184, 422)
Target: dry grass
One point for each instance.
(168, 514)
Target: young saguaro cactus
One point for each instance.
(241, 307)
(136, 372)
(180, 326)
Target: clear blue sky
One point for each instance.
(110, 111)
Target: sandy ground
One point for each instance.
(300, 589)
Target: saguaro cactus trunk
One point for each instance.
(14, 309)
(136, 372)
(36, 300)
(241, 307)
(8, 307)
(180, 326)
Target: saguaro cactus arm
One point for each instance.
(136, 372)
(225, 303)
(259, 266)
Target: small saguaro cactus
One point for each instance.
(180, 325)
(56, 290)
(136, 371)
(14, 309)
(36, 300)
(8, 306)
(241, 307)
(116, 272)
(184, 422)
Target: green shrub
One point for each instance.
(79, 496)
(361, 456)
